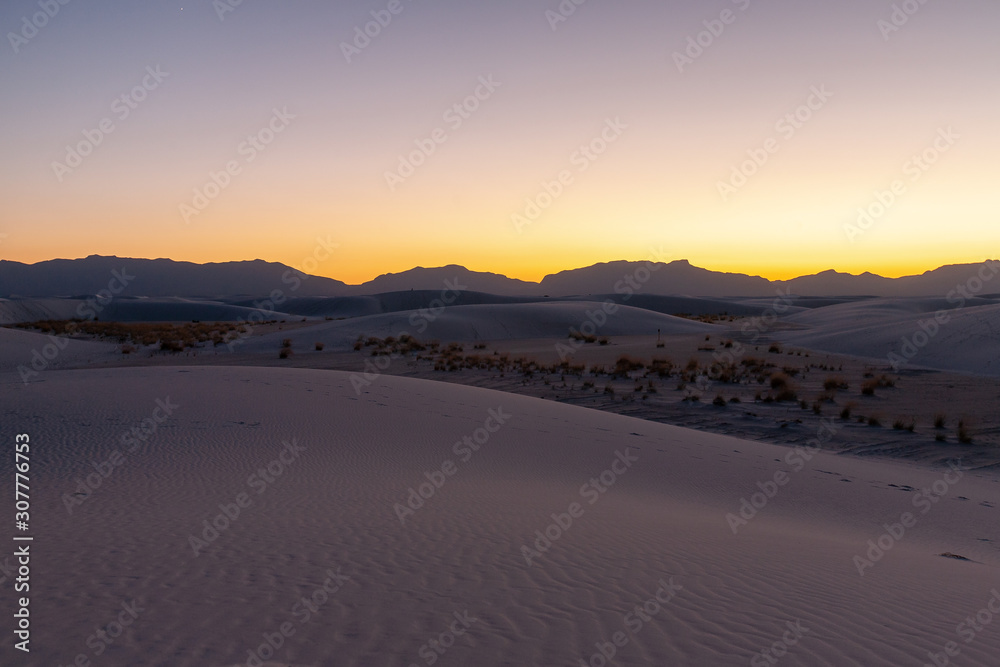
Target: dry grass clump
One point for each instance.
(963, 433)
(662, 367)
(835, 383)
(782, 384)
(870, 385)
(626, 365)
(786, 395)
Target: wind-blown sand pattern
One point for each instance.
(332, 509)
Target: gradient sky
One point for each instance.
(656, 185)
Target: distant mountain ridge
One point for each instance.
(257, 278)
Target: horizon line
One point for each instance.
(503, 275)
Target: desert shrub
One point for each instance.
(885, 381)
(780, 381)
(939, 420)
(845, 414)
(319, 347)
(868, 388)
(285, 353)
(719, 400)
(604, 341)
(627, 364)
(171, 346)
(774, 349)
(661, 367)
(286, 342)
(964, 436)
(786, 395)
(835, 382)
(735, 399)
(874, 421)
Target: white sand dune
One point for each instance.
(487, 322)
(330, 508)
(130, 309)
(965, 339)
(38, 352)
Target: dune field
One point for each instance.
(224, 506)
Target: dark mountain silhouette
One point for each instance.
(158, 277)
(165, 277)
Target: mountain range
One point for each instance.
(165, 277)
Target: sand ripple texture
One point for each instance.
(399, 586)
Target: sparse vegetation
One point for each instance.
(134, 335)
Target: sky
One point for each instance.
(774, 138)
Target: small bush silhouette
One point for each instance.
(835, 382)
(964, 436)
